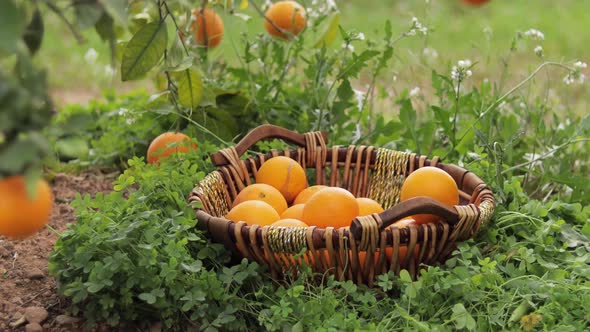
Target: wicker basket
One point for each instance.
(366, 172)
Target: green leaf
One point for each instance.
(404, 276)
(190, 88)
(330, 31)
(34, 33)
(144, 51)
(117, 9)
(73, 147)
(194, 267)
(13, 25)
(87, 13)
(104, 27)
(462, 318)
(147, 297)
(16, 156)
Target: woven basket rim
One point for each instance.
(432, 242)
(422, 160)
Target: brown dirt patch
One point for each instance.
(24, 279)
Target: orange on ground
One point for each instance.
(168, 143)
(285, 174)
(289, 222)
(306, 193)
(262, 192)
(432, 182)
(207, 27)
(294, 212)
(288, 16)
(253, 213)
(368, 206)
(335, 207)
(21, 215)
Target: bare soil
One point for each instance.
(24, 279)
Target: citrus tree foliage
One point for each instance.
(25, 107)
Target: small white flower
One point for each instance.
(473, 155)
(464, 63)
(414, 92)
(348, 46)
(394, 78)
(417, 27)
(266, 5)
(361, 36)
(360, 99)
(109, 71)
(522, 105)
(539, 51)
(533, 158)
(430, 52)
(123, 112)
(91, 56)
(331, 4)
(580, 65)
(534, 34)
(575, 75)
(462, 70)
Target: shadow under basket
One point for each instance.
(365, 171)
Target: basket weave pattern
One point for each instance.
(366, 172)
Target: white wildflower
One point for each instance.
(360, 99)
(430, 52)
(533, 158)
(361, 36)
(348, 46)
(417, 27)
(331, 4)
(91, 56)
(575, 75)
(539, 51)
(462, 70)
(464, 63)
(534, 34)
(266, 5)
(414, 92)
(123, 112)
(473, 155)
(580, 65)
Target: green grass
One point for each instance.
(458, 34)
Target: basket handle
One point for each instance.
(412, 206)
(260, 133)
